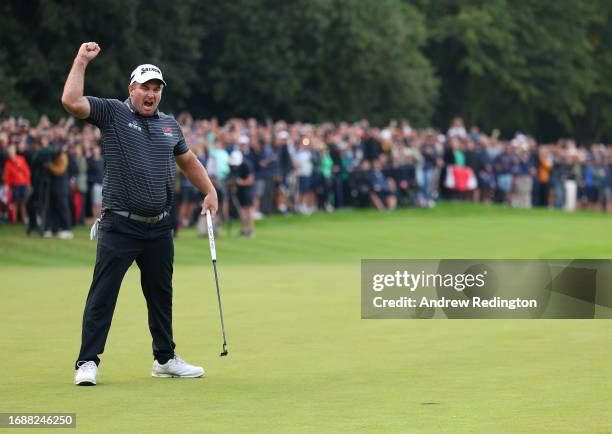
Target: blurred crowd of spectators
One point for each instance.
(52, 173)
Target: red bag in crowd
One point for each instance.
(460, 178)
(77, 201)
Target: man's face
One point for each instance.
(145, 97)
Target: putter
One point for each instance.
(213, 254)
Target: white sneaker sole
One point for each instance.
(86, 383)
(155, 374)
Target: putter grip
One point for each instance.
(211, 236)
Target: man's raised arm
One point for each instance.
(72, 98)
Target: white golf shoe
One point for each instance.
(65, 235)
(176, 367)
(86, 374)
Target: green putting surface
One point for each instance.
(301, 359)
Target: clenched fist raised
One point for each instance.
(88, 51)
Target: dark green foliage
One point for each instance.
(39, 40)
(297, 59)
(540, 66)
(526, 65)
(315, 60)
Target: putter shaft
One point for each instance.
(213, 254)
(224, 352)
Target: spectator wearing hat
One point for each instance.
(243, 175)
(141, 147)
(304, 169)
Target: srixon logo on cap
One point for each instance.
(143, 70)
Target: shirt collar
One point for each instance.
(128, 103)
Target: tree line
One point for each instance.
(538, 66)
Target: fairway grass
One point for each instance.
(301, 359)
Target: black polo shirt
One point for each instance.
(139, 156)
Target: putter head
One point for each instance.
(224, 352)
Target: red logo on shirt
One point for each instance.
(167, 130)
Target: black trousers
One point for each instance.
(58, 217)
(121, 241)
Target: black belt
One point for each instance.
(154, 219)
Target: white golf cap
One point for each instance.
(146, 72)
(235, 158)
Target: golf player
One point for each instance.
(140, 146)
